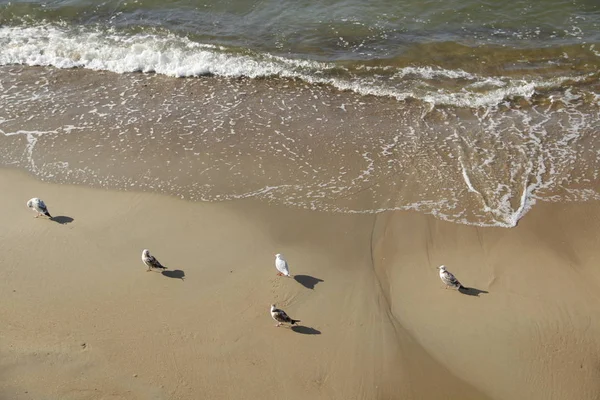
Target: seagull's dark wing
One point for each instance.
(281, 316)
(153, 263)
(44, 209)
(451, 279)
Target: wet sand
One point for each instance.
(289, 143)
(83, 320)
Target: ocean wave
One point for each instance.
(176, 56)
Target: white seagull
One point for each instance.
(39, 207)
(150, 261)
(281, 265)
(281, 317)
(449, 279)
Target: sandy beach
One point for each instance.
(83, 320)
(368, 142)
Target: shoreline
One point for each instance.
(84, 320)
(296, 145)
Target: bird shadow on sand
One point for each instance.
(62, 219)
(469, 291)
(307, 281)
(175, 274)
(305, 330)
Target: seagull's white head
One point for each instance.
(30, 203)
(272, 307)
(145, 253)
(442, 267)
(278, 255)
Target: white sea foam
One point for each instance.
(32, 138)
(492, 172)
(51, 45)
(466, 178)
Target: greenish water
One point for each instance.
(330, 30)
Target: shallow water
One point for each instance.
(470, 112)
(457, 52)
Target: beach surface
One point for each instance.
(82, 319)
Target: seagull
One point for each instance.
(280, 316)
(39, 207)
(281, 265)
(449, 279)
(150, 261)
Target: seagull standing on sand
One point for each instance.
(150, 261)
(281, 265)
(39, 207)
(449, 279)
(281, 317)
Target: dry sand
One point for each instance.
(81, 319)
